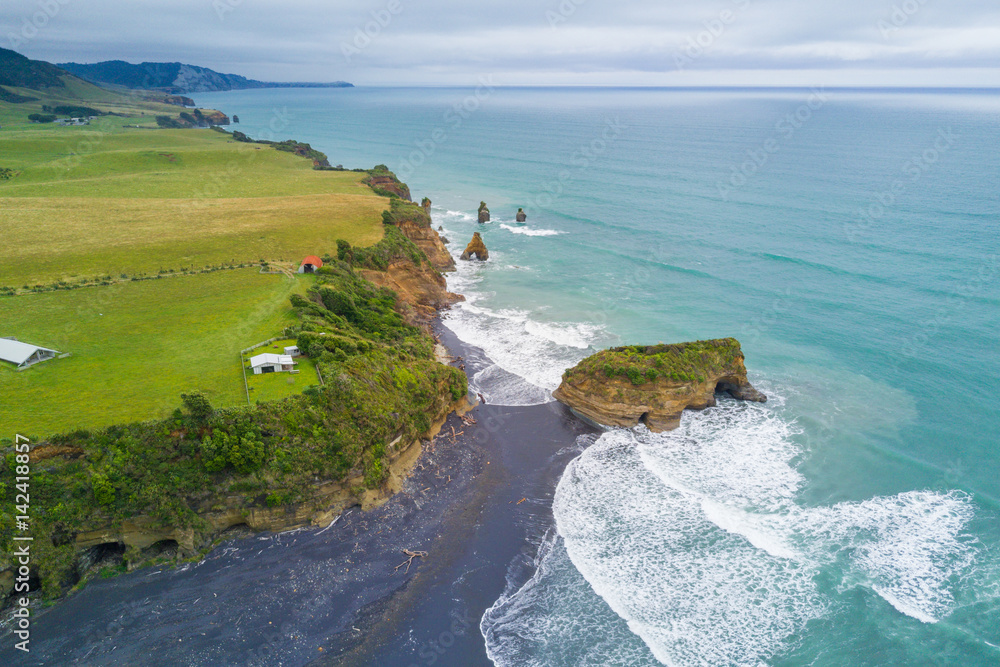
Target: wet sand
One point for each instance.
(332, 596)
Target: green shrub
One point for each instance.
(104, 490)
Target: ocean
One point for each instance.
(848, 238)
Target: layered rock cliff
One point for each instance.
(421, 290)
(388, 185)
(415, 223)
(653, 385)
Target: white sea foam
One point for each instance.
(458, 215)
(529, 231)
(542, 623)
(501, 387)
(527, 355)
(695, 594)
(525, 351)
(694, 539)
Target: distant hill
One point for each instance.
(20, 72)
(176, 78)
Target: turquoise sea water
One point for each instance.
(849, 239)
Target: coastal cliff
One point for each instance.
(384, 182)
(653, 385)
(415, 223)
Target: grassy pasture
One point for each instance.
(106, 160)
(137, 346)
(133, 236)
(87, 204)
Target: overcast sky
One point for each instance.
(623, 42)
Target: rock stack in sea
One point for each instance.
(653, 385)
(521, 215)
(476, 248)
(484, 213)
(426, 203)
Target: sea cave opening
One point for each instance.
(725, 388)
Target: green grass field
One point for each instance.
(137, 201)
(275, 386)
(113, 200)
(136, 347)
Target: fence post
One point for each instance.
(246, 385)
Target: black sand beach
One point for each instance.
(477, 503)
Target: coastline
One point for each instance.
(487, 541)
(331, 595)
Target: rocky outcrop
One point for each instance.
(484, 213)
(653, 385)
(415, 223)
(386, 184)
(421, 290)
(476, 248)
(426, 205)
(521, 215)
(431, 243)
(216, 118)
(179, 100)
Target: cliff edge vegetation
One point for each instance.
(653, 385)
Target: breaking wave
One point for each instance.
(528, 231)
(695, 542)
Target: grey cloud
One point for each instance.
(553, 41)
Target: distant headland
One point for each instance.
(175, 78)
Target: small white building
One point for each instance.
(272, 363)
(293, 351)
(23, 355)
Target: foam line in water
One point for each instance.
(529, 231)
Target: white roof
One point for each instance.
(268, 359)
(17, 352)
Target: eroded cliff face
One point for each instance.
(428, 240)
(421, 290)
(654, 385)
(388, 183)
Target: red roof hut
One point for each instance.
(310, 264)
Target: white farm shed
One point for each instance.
(272, 363)
(23, 355)
(293, 351)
